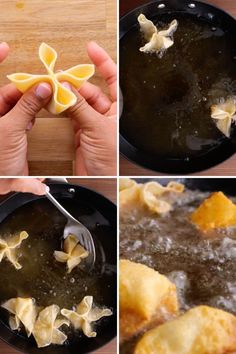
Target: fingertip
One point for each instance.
(5, 46)
(4, 50)
(47, 189)
(93, 47)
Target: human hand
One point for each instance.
(17, 116)
(25, 185)
(94, 120)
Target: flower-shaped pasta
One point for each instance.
(151, 195)
(73, 255)
(24, 311)
(46, 330)
(157, 41)
(84, 315)
(62, 98)
(224, 114)
(8, 248)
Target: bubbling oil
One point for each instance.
(203, 267)
(167, 101)
(41, 276)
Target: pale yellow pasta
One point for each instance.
(46, 330)
(157, 41)
(62, 97)
(84, 315)
(201, 330)
(224, 114)
(8, 248)
(147, 27)
(23, 311)
(73, 253)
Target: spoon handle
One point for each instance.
(59, 206)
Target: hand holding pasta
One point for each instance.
(17, 117)
(62, 98)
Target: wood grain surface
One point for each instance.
(228, 168)
(67, 26)
(107, 187)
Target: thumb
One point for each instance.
(82, 112)
(28, 185)
(30, 104)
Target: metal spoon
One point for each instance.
(75, 227)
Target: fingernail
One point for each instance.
(47, 189)
(43, 91)
(29, 126)
(67, 85)
(4, 44)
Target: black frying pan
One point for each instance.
(226, 148)
(70, 195)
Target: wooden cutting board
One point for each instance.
(108, 188)
(228, 168)
(66, 25)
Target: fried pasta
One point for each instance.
(23, 311)
(145, 296)
(9, 246)
(157, 41)
(151, 195)
(46, 330)
(201, 330)
(73, 253)
(84, 315)
(224, 114)
(217, 211)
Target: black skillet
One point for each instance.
(71, 195)
(157, 162)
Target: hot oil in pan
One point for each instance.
(167, 101)
(203, 269)
(41, 277)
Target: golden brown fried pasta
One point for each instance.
(217, 211)
(145, 297)
(202, 330)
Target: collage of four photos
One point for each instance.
(118, 177)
